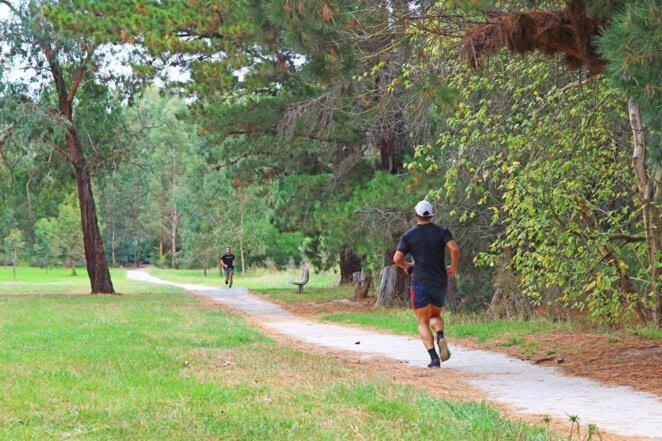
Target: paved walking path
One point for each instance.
(527, 387)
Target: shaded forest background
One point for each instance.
(306, 131)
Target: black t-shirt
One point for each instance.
(228, 260)
(427, 245)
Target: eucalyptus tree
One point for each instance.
(62, 62)
(13, 244)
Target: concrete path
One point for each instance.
(527, 387)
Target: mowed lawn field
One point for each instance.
(156, 363)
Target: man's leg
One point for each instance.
(231, 277)
(436, 321)
(437, 324)
(423, 318)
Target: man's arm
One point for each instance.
(455, 258)
(399, 260)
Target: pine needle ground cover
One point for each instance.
(154, 363)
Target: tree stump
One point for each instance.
(362, 283)
(494, 309)
(349, 264)
(393, 288)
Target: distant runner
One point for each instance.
(227, 261)
(427, 242)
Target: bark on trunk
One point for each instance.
(95, 255)
(362, 284)
(649, 194)
(393, 288)
(350, 263)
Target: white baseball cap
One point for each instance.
(424, 209)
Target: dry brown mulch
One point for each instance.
(616, 359)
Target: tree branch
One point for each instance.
(626, 238)
(79, 76)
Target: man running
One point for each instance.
(427, 242)
(227, 261)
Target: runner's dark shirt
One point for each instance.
(427, 245)
(228, 259)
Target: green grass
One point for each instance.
(259, 280)
(456, 325)
(60, 281)
(310, 294)
(155, 364)
(647, 332)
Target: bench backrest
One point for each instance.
(304, 275)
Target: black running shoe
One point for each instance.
(226, 282)
(444, 353)
(230, 285)
(435, 363)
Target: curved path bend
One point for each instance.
(527, 387)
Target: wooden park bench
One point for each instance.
(304, 279)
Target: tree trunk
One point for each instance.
(112, 246)
(28, 198)
(362, 283)
(14, 258)
(494, 308)
(95, 255)
(350, 263)
(241, 237)
(161, 247)
(393, 288)
(137, 257)
(173, 238)
(112, 220)
(649, 193)
(625, 284)
(387, 155)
